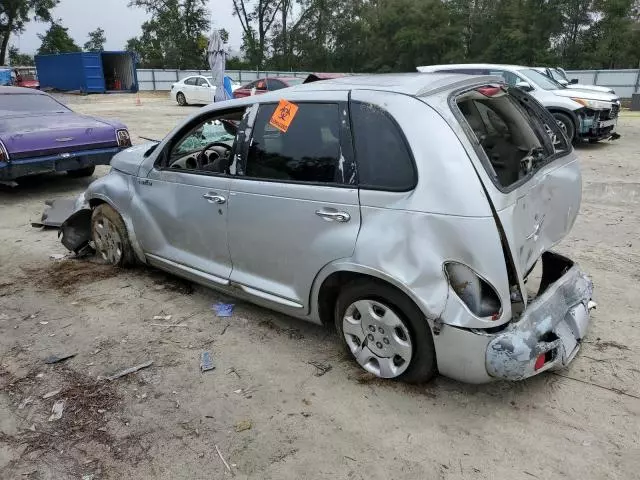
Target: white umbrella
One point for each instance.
(216, 55)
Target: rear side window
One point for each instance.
(382, 154)
(190, 81)
(309, 150)
(516, 138)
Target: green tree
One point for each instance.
(96, 41)
(173, 36)
(15, 14)
(57, 40)
(20, 59)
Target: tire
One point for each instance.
(181, 99)
(566, 124)
(82, 172)
(110, 237)
(389, 305)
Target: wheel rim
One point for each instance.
(181, 99)
(107, 241)
(377, 338)
(554, 138)
(562, 125)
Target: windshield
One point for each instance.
(558, 76)
(540, 79)
(294, 81)
(30, 103)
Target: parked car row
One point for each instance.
(583, 114)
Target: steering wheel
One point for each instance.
(209, 146)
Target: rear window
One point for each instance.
(30, 103)
(517, 136)
(383, 157)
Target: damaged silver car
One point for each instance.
(410, 211)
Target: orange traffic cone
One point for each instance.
(138, 102)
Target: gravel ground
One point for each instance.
(265, 408)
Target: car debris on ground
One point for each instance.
(58, 358)
(223, 309)
(56, 411)
(206, 362)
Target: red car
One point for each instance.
(264, 85)
(25, 77)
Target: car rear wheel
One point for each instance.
(385, 332)
(82, 172)
(181, 99)
(110, 238)
(566, 125)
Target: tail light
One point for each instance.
(480, 297)
(4, 155)
(124, 139)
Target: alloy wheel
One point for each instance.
(107, 241)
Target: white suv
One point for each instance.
(582, 115)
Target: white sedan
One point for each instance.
(196, 90)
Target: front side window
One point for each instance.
(540, 79)
(207, 145)
(383, 157)
(203, 82)
(517, 137)
(308, 151)
(510, 78)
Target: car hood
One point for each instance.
(595, 88)
(128, 161)
(587, 94)
(43, 133)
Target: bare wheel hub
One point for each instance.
(377, 338)
(107, 240)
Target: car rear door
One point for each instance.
(294, 207)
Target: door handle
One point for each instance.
(212, 197)
(335, 216)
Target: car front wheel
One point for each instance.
(566, 125)
(110, 238)
(385, 332)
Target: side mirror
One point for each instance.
(526, 86)
(573, 81)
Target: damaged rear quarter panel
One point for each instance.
(409, 235)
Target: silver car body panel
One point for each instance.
(266, 244)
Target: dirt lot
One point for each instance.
(266, 409)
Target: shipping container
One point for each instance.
(88, 72)
(5, 76)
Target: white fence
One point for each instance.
(624, 82)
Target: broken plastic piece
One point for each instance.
(58, 358)
(206, 362)
(56, 411)
(223, 309)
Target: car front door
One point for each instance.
(293, 206)
(204, 91)
(182, 204)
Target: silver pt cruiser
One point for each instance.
(410, 211)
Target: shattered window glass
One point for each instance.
(209, 132)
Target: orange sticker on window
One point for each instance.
(284, 115)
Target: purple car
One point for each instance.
(38, 134)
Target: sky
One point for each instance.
(119, 22)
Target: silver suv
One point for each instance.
(407, 210)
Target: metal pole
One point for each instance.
(153, 78)
(637, 88)
(595, 77)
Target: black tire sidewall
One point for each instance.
(181, 99)
(566, 120)
(423, 362)
(106, 211)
